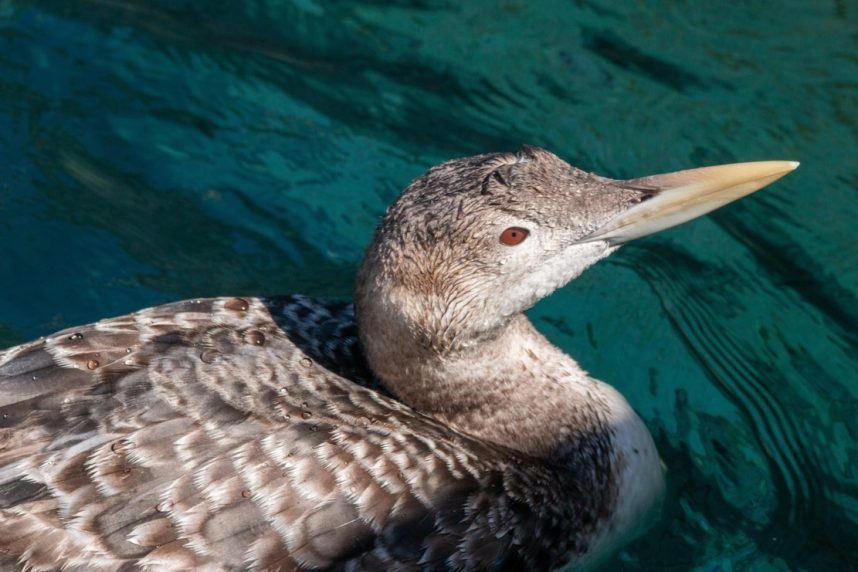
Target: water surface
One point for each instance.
(153, 150)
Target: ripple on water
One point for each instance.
(800, 478)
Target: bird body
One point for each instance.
(427, 427)
(144, 439)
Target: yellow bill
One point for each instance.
(684, 195)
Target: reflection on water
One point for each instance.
(154, 150)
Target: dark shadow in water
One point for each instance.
(328, 75)
(622, 54)
(161, 229)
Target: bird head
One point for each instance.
(478, 240)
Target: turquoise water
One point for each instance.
(156, 150)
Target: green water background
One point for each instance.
(157, 150)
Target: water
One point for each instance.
(152, 150)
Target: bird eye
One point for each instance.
(514, 235)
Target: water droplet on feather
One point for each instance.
(254, 338)
(209, 356)
(237, 304)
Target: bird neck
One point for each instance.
(512, 388)
(516, 389)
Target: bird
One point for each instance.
(425, 425)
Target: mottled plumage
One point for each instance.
(430, 428)
(221, 433)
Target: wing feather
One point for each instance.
(236, 433)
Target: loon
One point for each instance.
(428, 426)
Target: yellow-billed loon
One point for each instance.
(428, 426)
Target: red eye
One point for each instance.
(514, 235)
